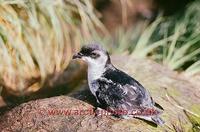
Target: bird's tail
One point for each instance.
(151, 114)
(155, 119)
(158, 120)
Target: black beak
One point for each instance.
(78, 55)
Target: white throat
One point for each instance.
(95, 72)
(96, 68)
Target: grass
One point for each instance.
(194, 119)
(193, 69)
(38, 37)
(173, 41)
(184, 49)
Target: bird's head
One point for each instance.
(94, 55)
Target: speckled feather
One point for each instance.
(114, 89)
(120, 91)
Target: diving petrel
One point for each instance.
(114, 89)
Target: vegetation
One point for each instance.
(173, 41)
(37, 38)
(28, 57)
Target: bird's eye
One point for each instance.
(94, 55)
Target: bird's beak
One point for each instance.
(78, 55)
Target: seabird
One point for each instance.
(116, 90)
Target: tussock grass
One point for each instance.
(37, 38)
(183, 51)
(173, 41)
(194, 68)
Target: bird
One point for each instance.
(115, 89)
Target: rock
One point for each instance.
(46, 115)
(172, 91)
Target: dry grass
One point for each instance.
(37, 38)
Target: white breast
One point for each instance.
(94, 73)
(96, 68)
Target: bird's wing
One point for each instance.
(114, 96)
(119, 90)
(130, 84)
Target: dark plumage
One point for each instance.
(116, 90)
